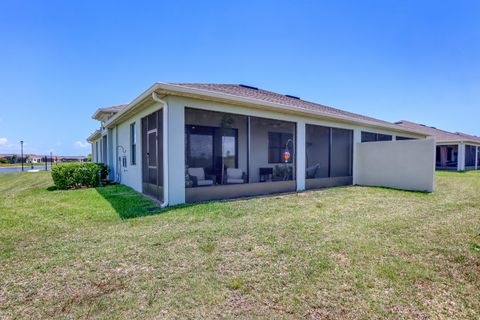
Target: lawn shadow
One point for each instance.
(130, 204)
(415, 192)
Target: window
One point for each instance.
(384, 137)
(215, 149)
(278, 143)
(369, 137)
(372, 137)
(133, 144)
(211, 148)
(404, 138)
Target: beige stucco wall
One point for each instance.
(408, 165)
(132, 174)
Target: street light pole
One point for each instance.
(21, 143)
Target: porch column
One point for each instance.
(176, 152)
(476, 158)
(461, 157)
(357, 138)
(300, 154)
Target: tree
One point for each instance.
(89, 157)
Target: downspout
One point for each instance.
(165, 148)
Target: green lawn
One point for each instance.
(352, 252)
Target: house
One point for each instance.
(13, 158)
(187, 142)
(70, 158)
(32, 158)
(455, 150)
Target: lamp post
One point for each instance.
(21, 144)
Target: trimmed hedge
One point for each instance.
(77, 175)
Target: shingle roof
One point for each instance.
(272, 97)
(468, 136)
(440, 135)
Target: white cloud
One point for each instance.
(80, 144)
(3, 141)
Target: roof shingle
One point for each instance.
(272, 97)
(440, 135)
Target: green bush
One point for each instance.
(78, 175)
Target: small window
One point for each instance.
(278, 143)
(369, 137)
(133, 144)
(404, 138)
(384, 137)
(372, 137)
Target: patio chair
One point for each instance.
(311, 172)
(198, 177)
(235, 176)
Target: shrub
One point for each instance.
(77, 175)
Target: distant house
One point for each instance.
(32, 158)
(188, 142)
(455, 150)
(12, 157)
(71, 159)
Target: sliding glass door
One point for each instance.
(230, 155)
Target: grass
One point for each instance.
(350, 253)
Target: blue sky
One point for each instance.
(61, 60)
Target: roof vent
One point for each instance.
(248, 87)
(293, 97)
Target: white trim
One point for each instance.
(300, 151)
(461, 157)
(476, 157)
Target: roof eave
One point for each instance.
(171, 89)
(94, 136)
(459, 141)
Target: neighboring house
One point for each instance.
(454, 151)
(70, 158)
(13, 158)
(193, 142)
(32, 158)
(8, 156)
